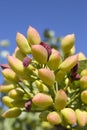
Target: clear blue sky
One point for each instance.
(62, 16)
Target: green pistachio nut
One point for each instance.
(33, 36)
(81, 56)
(17, 93)
(81, 117)
(23, 43)
(39, 53)
(17, 66)
(54, 61)
(18, 54)
(10, 75)
(43, 115)
(41, 87)
(47, 76)
(69, 63)
(69, 116)
(83, 82)
(7, 101)
(67, 42)
(19, 103)
(54, 118)
(84, 96)
(60, 100)
(12, 113)
(42, 100)
(5, 88)
(72, 51)
(83, 72)
(59, 75)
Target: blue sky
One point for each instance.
(62, 16)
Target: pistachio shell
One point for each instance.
(84, 96)
(12, 113)
(83, 82)
(60, 100)
(33, 36)
(42, 100)
(10, 75)
(23, 43)
(7, 101)
(54, 118)
(69, 116)
(81, 117)
(67, 42)
(39, 53)
(47, 76)
(69, 63)
(6, 87)
(17, 93)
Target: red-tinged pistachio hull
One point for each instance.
(84, 96)
(81, 117)
(33, 36)
(54, 118)
(39, 53)
(67, 42)
(12, 113)
(83, 82)
(42, 100)
(60, 100)
(47, 76)
(7, 101)
(69, 116)
(54, 61)
(23, 43)
(7, 87)
(10, 75)
(69, 63)
(17, 93)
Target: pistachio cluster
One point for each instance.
(42, 79)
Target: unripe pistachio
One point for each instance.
(54, 118)
(60, 100)
(17, 66)
(7, 101)
(43, 115)
(17, 93)
(81, 56)
(10, 75)
(81, 117)
(41, 87)
(83, 82)
(69, 116)
(83, 72)
(18, 54)
(42, 100)
(47, 76)
(39, 53)
(72, 51)
(84, 96)
(67, 42)
(6, 87)
(69, 63)
(33, 36)
(23, 43)
(54, 61)
(19, 103)
(59, 75)
(12, 113)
